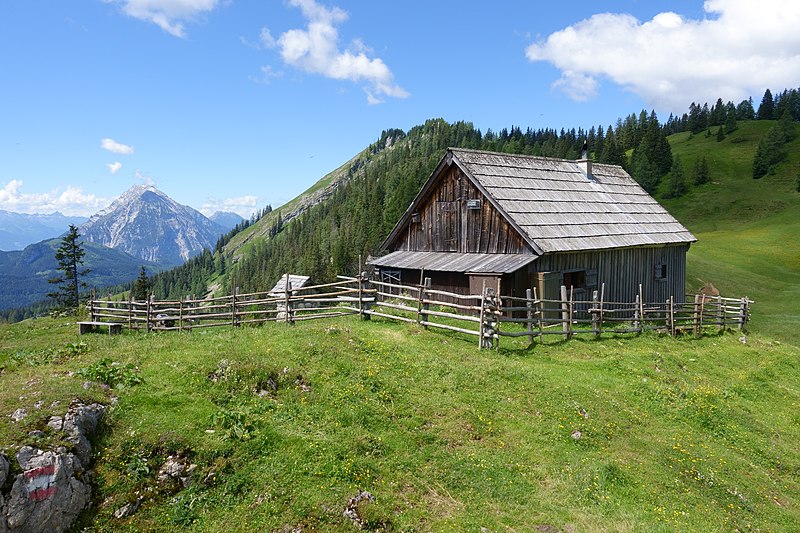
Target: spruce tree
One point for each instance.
(141, 286)
(766, 111)
(676, 184)
(701, 174)
(69, 256)
(730, 123)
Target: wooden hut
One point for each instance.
(519, 222)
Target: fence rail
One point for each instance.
(488, 316)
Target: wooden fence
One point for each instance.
(488, 316)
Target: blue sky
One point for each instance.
(234, 104)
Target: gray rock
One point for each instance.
(25, 454)
(128, 509)
(52, 489)
(56, 422)
(47, 496)
(19, 414)
(5, 467)
(80, 422)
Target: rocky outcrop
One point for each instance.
(53, 487)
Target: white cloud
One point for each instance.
(114, 147)
(243, 205)
(267, 39)
(147, 180)
(738, 50)
(315, 49)
(69, 201)
(114, 167)
(169, 15)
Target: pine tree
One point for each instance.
(141, 287)
(69, 256)
(676, 184)
(646, 173)
(766, 111)
(730, 123)
(720, 134)
(701, 174)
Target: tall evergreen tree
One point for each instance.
(69, 256)
(676, 182)
(141, 286)
(745, 110)
(766, 111)
(701, 174)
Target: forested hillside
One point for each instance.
(328, 238)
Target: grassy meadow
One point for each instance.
(287, 423)
(747, 229)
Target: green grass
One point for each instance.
(746, 229)
(676, 434)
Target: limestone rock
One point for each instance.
(48, 495)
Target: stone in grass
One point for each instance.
(127, 510)
(576, 434)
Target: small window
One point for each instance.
(415, 218)
(575, 279)
(474, 203)
(661, 271)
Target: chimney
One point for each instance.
(584, 163)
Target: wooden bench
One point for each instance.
(113, 327)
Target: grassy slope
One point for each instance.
(747, 229)
(678, 434)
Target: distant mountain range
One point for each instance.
(143, 227)
(226, 219)
(18, 230)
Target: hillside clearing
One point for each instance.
(286, 424)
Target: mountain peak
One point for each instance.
(146, 223)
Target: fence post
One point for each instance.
(671, 303)
(637, 324)
(720, 314)
(422, 306)
(539, 313)
(180, 314)
(481, 331)
(529, 314)
(564, 312)
(286, 290)
(602, 302)
(149, 311)
(595, 315)
(130, 311)
(744, 309)
(641, 309)
(233, 307)
(697, 316)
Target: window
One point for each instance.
(661, 272)
(575, 279)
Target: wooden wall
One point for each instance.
(447, 224)
(623, 270)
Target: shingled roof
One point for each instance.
(560, 208)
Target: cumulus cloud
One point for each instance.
(242, 205)
(738, 50)
(169, 15)
(114, 147)
(114, 167)
(69, 201)
(315, 49)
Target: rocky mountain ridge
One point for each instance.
(146, 223)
